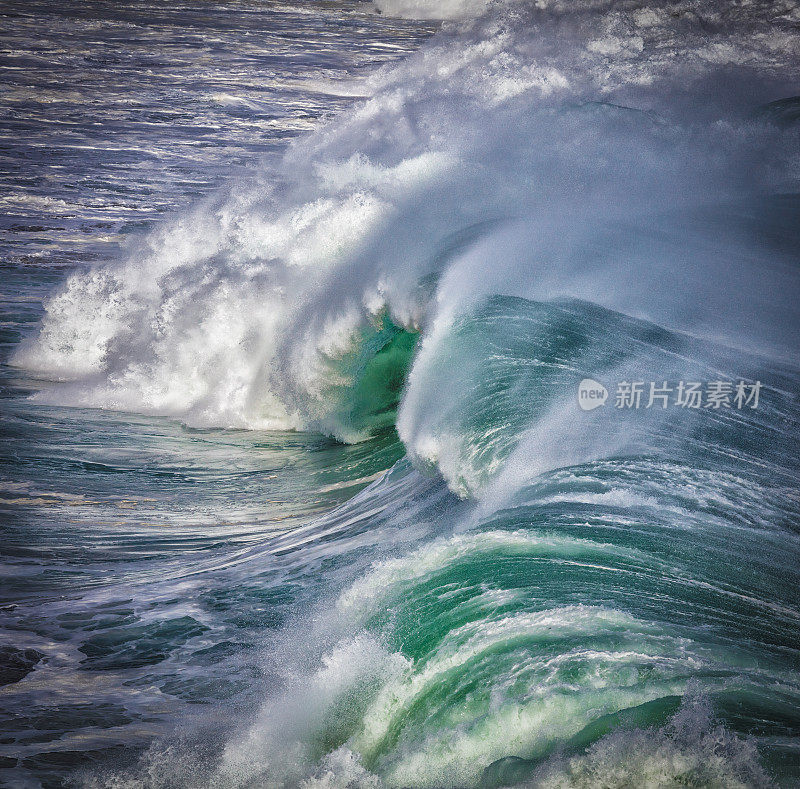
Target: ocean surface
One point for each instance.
(347, 357)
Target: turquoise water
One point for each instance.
(295, 487)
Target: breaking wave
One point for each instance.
(600, 151)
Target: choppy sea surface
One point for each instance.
(297, 299)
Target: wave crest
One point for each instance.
(541, 151)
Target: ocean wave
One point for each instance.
(543, 193)
(512, 154)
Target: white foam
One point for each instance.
(433, 9)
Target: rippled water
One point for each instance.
(113, 115)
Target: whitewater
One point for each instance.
(297, 490)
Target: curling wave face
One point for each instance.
(542, 193)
